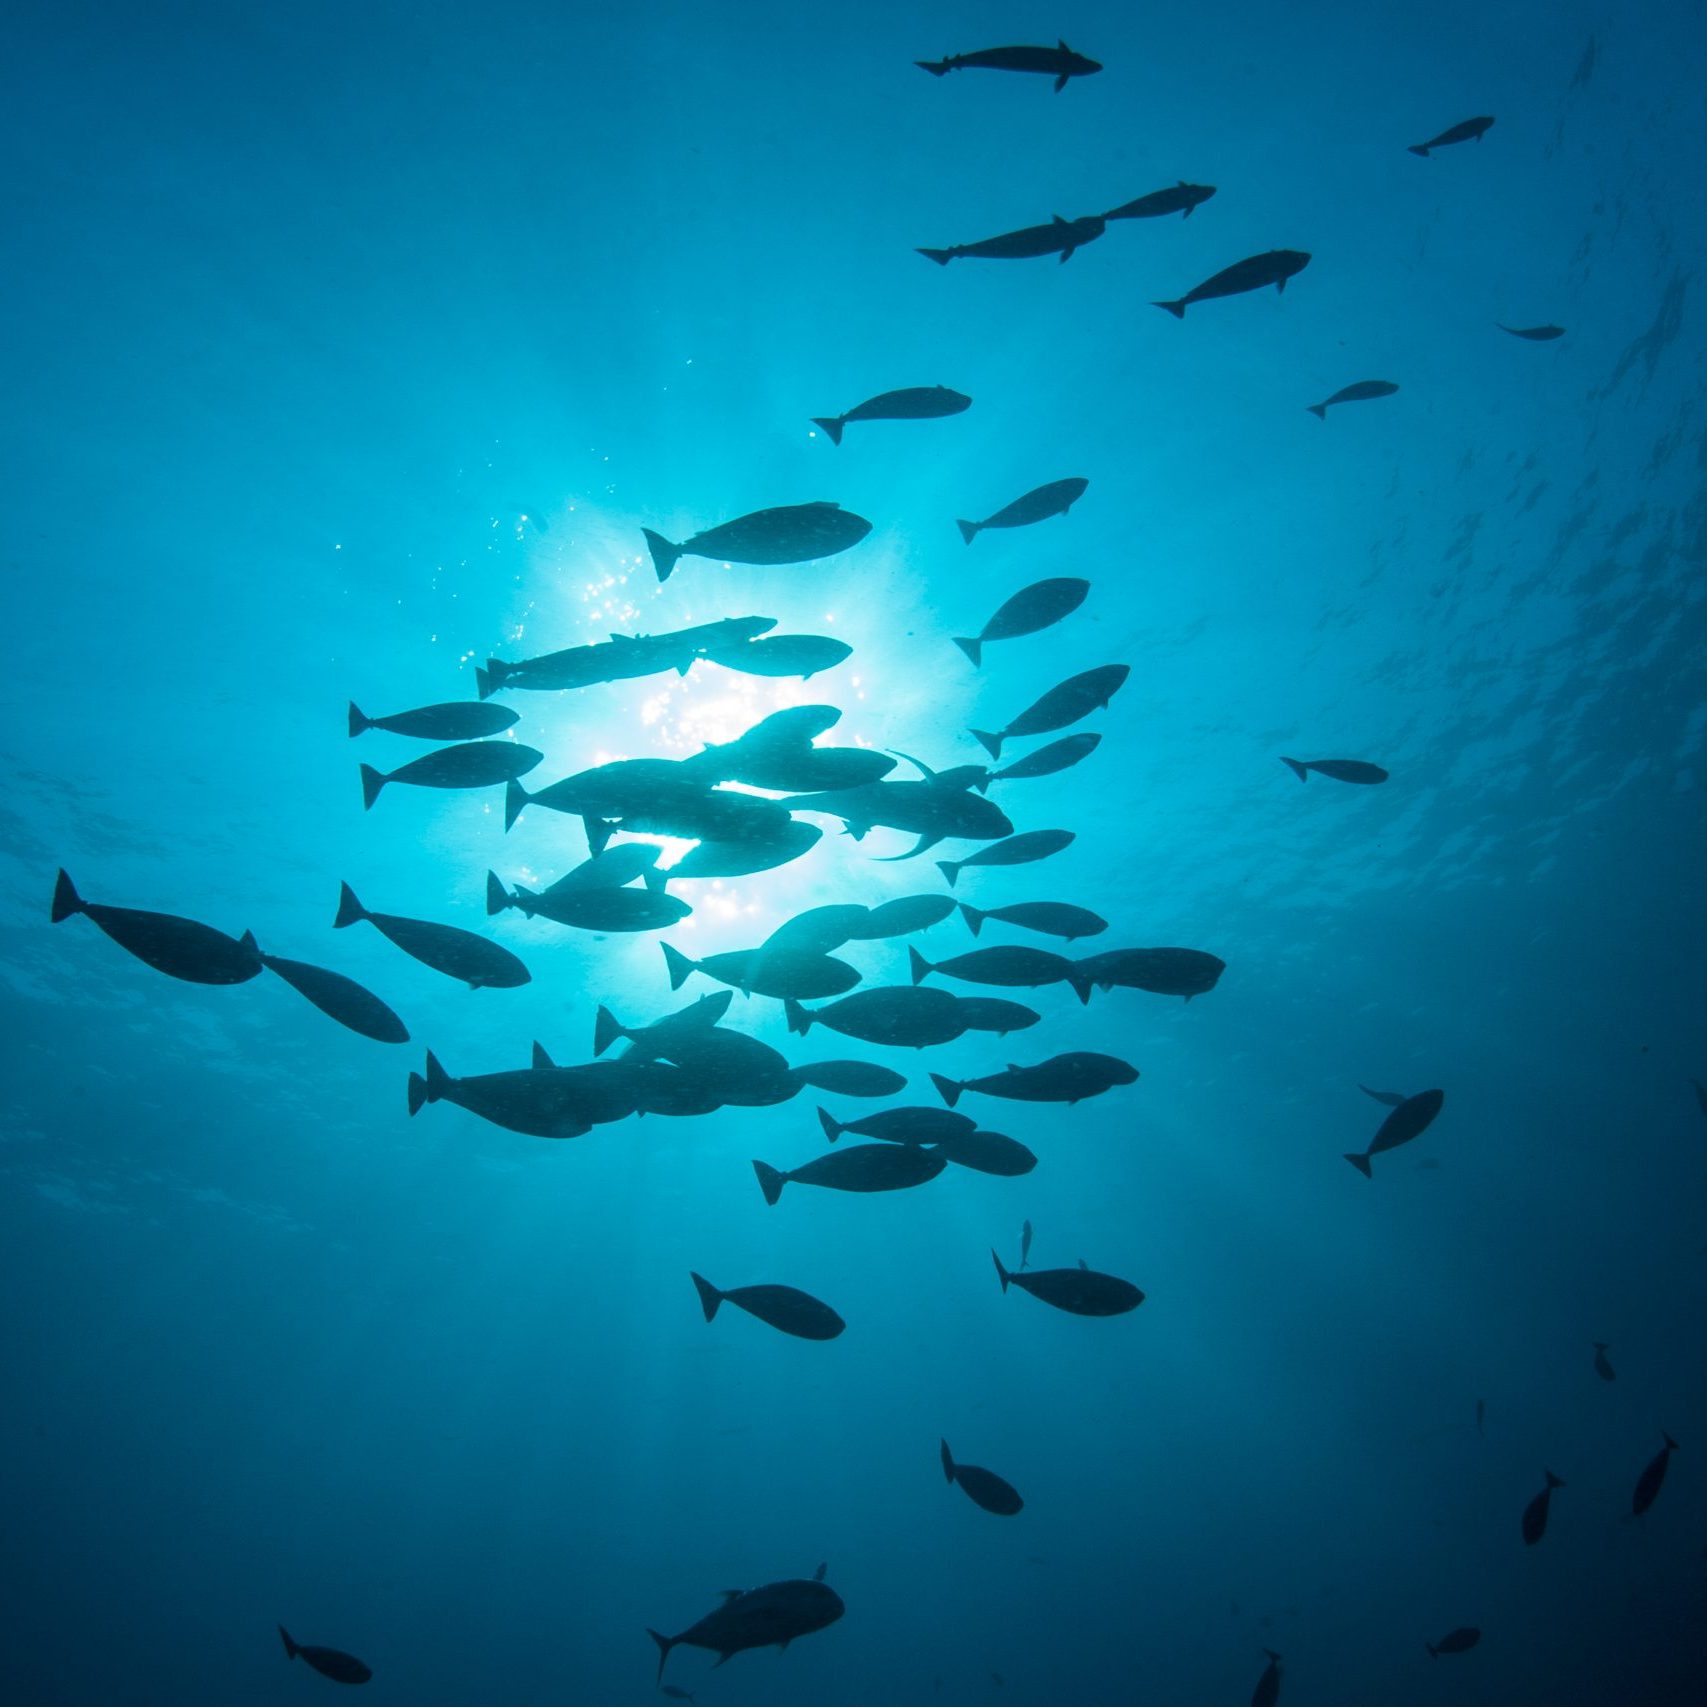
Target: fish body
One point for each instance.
(329, 1662)
(1023, 849)
(456, 953)
(455, 721)
(930, 810)
(764, 851)
(1047, 760)
(1059, 62)
(1029, 611)
(904, 915)
(1059, 237)
(624, 657)
(1078, 1291)
(539, 1102)
(901, 1125)
(860, 1167)
(850, 1078)
(1340, 770)
(181, 948)
(1011, 966)
(1409, 1120)
(1183, 972)
(805, 977)
(591, 908)
(768, 1617)
(340, 998)
(1064, 703)
(791, 533)
(1065, 1078)
(1267, 1691)
(1459, 1641)
(1535, 334)
(1535, 1514)
(983, 1487)
(819, 930)
(995, 1013)
(1653, 1475)
(1364, 391)
(1049, 918)
(650, 1042)
(1181, 199)
(987, 1153)
(1602, 1366)
(474, 764)
(778, 655)
(798, 770)
(1038, 505)
(1256, 272)
(1469, 130)
(914, 403)
(895, 1015)
(785, 1308)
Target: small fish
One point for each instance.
(916, 403)
(1535, 334)
(338, 997)
(1459, 1641)
(784, 1308)
(983, 1487)
(901, 1125)
(1409, 1120)
(791, 533)
(1602, 1367)
(1079, 1291)
(1181, 199)
(1023, 849)
(674, 1692)
(1267, 1691)
(1051, 918)
(863, 1168)
(457, 953)
(1046, 761)
(1255, 273)
(1025, 1245)
(1064, 703)
(1391, 1098)
(1469, 130)
(1038, 505)
(768, 1617)
(1481, 1415)
(1535, 1513)
(474, 764)
(1648, 1483)
(1059, 62)
(329, 1662)
(181, 948)
(456, 721)
(1362, 392)
(1029, 611)
(1068, 1078)
(1340, 770)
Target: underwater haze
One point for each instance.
(348, 347)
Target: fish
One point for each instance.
(1340, 770)
(983, 1487)
(1024, 849)
(1459, 1641)
(340, 998)
(1363, 391)
(791, 533)
(1391, 1098)
(1267, 1691)
(1469, 130)
(1181, 199)
(1079, 1291)
(541, 1101)
(764, 851)
(1700, 1095)
(915, 403)
(455, 721)
(740, 1070)
(805, 977)
(1535, 334)
(771, 1616)
(1064, 703)
(1602, 1367)
(1653, 1474)
(1183, 972)
(1409, 1120)
(675, 1694)
(1481, 1414)
(904, 915)
(591, 907)
(1256, 272)
(1047, 760)
(785, 1308)
(181, 948)
(329, 1662)
(850, 1078)
(1059, 62)
(1066, 1078)
(1029, 611)
(1011, 966)
(623, 657)
(647, 1042)
(1535, 1513)
(1050, 918)
(1053, 499)
(1063, 237)
(895, 1015)
(987, 1153)
(993, 1013)
(650, 796)
(932, 810)
(456, 953)
(901, 1125)
(1025, 1244)
(474, 764)
(819, 930)
(861, 1167)
(789, 766)
(777, 655)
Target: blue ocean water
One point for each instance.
(347, 347)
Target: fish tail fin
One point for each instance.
(678, 963)
(799, 1020)
(607, 1028)
(969, 531)
(709, 1296)
(599, 834)
(1272, 1655)
(918, 965)
(832, 425)
(350, 910)
(936, 67)
(483, 683)
(947, 1462)
(515, 798)
(941, 256)
(990, 742)
(1302, 772)
(665, 556)
(417, 1093)
(1552, 1480)
(291, 1649)
(1418, 148)
(833, 1128)
(357, 721)
(1001, 1272)
(438, 1080)
(972, 646)
(1176, 309)
(950, 868)
(973, 917)
(770, 1181)
(1361, 1162)
(665, 1644)
(948, 1089)
(372, 783)
(1319, 410)
(66, 900)
(496, 899)
(1083, 986)
(657, 881)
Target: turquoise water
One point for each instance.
(348, 349)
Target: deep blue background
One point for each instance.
(306, 310)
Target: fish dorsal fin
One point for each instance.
(919, 765)
(1084, 1267)
(1059, 220)
(731, 1593)
(1015, 1067)
(540, 1058)
(818, 1575)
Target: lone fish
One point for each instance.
(1341, 770)
(1468, 130)
(329, 1662)
(1038, 505)
(983, 1487)
(1059, 237)
(915, 403)
(791, 533)
(1059, 62)
(1363, 391)
(1256, 272)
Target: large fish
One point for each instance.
(623, 657)
(819, 930)
(1050, 918)
(1066, 1078)
(1079, 1291)
(792, 533)
(933, 810)
(648, 1042)
(181, 948)
(803, 655)
(1059, 62)
(1653, 1474)
(904, 1018)
(542, 1101)
(904, 915)
(983, 1487)
(1468, 130)
(1030, 610)
(901, 1125)
(1024, 849)
(474, 764)
(1409, 1120)
(768, 1617)
(784, 1308)
(1339, 770)
(1184, 972)
(1181, 199)
(805, 977)
(862, 1167)
(339, 998)
(850, 1078)
(1011, 966)
(995, 1013)
(1064, 703)
(1362, 391)
(329, 1662)
(457, 953)
(1256, 272)
(1054, 499)
(455, 721)
(1535, 1514)
(916, 403)
(592, 907)
(764, 850)
(987, 1153)
(1059, 237)
(1046, 761)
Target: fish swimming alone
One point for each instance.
(339, 998)
(1181, 199)
(457, 953)
(1536, 1512)
(1026, 848)
(1060, 236)
(1267, 1691)
(1340, 770)
(1459, 1641)
(455, 721)
(1038, 505)
(1363, 391)
(1653, 1474)
(329, 1662)
(181, 948)
(983, 1487)
(1059, 62)
(915, 403)
(1079, 1291)
(1046, 760)
(1068, 1078)
(1409, 1120)
(862, 1168)
(1535, 334)
(1256, 272)
(784, 1308)
(1602, 1366)
(1064, 703)
(474, 764)
(1469, 130)
(768, 1617)
(791, 533)
(1050, 918)
(1029, 611)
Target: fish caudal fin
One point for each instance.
(973, 917)
(799, 1020)
(920, 967)
(599, 834)
(372, 783)
(950, 868)
(832, 425)
(515, 798)
(1418, 148)
(833, 1128)
(771, 1181)
(1319, 410)
(665, 1644)
(947, 1462)
(1361, 1162)
(350, 910)
(679, 965)
(496, 899)
(1001, 1272)
(969, 530)
(1176, 309)
(709, 1296)
(990, 741)
(1302, 772)
(665, 557)
(483, 683)
(66, 900)
(358, 722)
(941, 256)
(291, 1649)
(936, 67)
(971, 645)
(417, 1093)
(948, 1089)
(438, 1080)
(607, 1028)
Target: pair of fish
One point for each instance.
(954, 1137)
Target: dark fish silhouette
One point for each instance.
(1183, 972)
(1459, 1641)
(623, 657)
(1602, 1367)
(1023, 849)
(901, 1125)
(541, 1101)
(475, 764)
(338, 997)
(456, 721)
(819, 930)
(1047, 760)
(1700, 1095)
(1066, 1078)
(1025, 1244)
(457, 953)
(650, 1042)
(784, 1308)
(1481, 1414)
(994, 1013)
(1267, 1691)
(1064, 703)
(805, 977)
(1470, 130)
(1011, 966)
(987, 1153)
(1079, 1291)
(1364, 391)
(916, 403)
(181, 948)
(1059, 237)
(905, 915)
(1391, 1098)
(329, 1662)
(761, 758)
(1340, 770)
(1535, 334)
(1051, 918)
(1653, 1474)
(1030, 610)
(1182, 198)
(904, 1018)
(933, 810)
(851, 1078)
(802, 655)
(591, 907)
(792, 533)
(1038, 505)
(768, 1617)
(1257, 272)
(1535, 1513)
(1409, 1120)
(983, 1487)
(862, 1167)
(763, 851)
(674, 1694)
(1059, 62)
